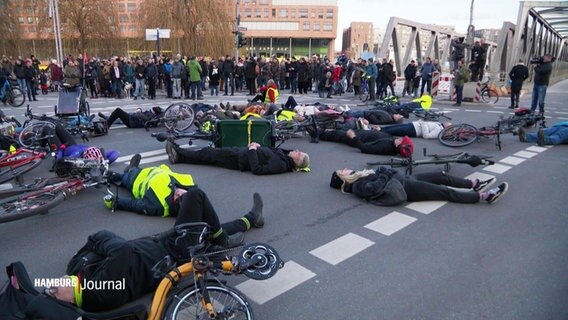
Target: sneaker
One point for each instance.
(483, 184)
(173, 155)
(456, 104)
(257, 216)
(134, 162)
(495, 194)
(540, 137)
(521, 134)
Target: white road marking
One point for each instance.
(490, 111)
(426, 207)
(497, 168)
(342, 248)
(470, 110)
(536, 149)
(512, 160)
(390, 223)
(290, 276)
(525, 154)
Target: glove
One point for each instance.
(109, 201)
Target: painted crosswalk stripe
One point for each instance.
(490, 111)
(512, 160)
(426, 207)
(525, 154)
(497, 168)
(390, 223)
(470, 110)
(536, 149)
(290, 276)
(342, 248)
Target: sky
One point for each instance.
(487, 14)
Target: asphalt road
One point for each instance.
(347, 259)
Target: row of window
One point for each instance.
(285, 26)
(327, 26)
(30, 20)
(287, 13)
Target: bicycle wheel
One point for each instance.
(20, 207)
(15, 97)
(489, 96)
(179, 116)
(33, 135)
(459, 135)
(9, 173)
(228, 302)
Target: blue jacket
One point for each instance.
(561, 124)
(372, 70)
(427, 70)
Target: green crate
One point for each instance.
(239, 133)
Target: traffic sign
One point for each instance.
(243, 28)
(152, 34)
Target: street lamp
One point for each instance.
(54, 15)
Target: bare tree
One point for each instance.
(199, 27)
(9, 28)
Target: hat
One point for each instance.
(305, 165)
(406, 147)
(335, 182)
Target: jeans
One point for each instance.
(434, 187)
(459, 94)
(538, 95)
(552, 135)
(31, 90)
(176, 87)
(139, 87)
(428, 83)
(195, 85)
(22, 84)
(117, 88)
(229, 81)
(214, 89)
(293, 85)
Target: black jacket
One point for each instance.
(378, 188)
(140, 71)
(518, 74)
(542, 73)
(107, 256)
(266, 160)
(410, 72)
(368, 141)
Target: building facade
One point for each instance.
(288, 28)
(357, 38)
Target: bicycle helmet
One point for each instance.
(93, 153)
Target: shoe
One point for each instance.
(456, 104)
(511, 107)
(135, 98)
(222, 106)
(100, 114)
(540, 137)
(483, 184)
(256, 211)
(134, 162)
(142, 98)
(173, 155)
(495, 194)
(521, 134)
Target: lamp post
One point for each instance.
(54, 15)
(238, 17)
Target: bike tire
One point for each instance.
(364, 96)
(31, 135)
(459, 135)
(20, 207)
(489, 96)
(7, 173)
(15, 97)
(179, 117)
(229, 303)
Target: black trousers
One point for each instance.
(220, 157)
(152, 87)
(515, 96)
(196, 207)
(434, 186)
(60, 136)
(120, 114)
(251, 86)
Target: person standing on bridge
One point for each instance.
(461, 76)
(542, 73)
(518, 75)
(426, 71)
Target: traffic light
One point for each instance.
(241, 40)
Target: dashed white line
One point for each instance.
(490, 111)
(470, 110)
(426, 207)
(497, 168)
(512, 160)
(536, 149)
(342, 248)
(525, 154)
(285, 279)
(390, 223)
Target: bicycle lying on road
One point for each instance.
(190, 289)
(14, 165)
(46, 193)
(464, 134)
(446, 160)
